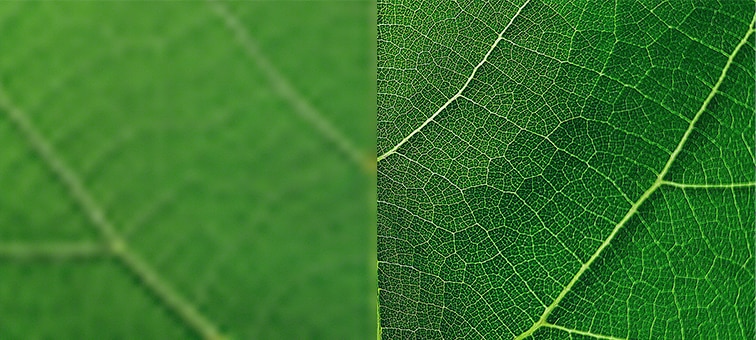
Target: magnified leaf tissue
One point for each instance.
(566, 169)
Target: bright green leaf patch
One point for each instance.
(187, 169)
(566, 169)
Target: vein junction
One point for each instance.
(459, 93)
(113, 244)
(658, 183)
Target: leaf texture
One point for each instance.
(566, 170)
(192, 169)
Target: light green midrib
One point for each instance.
(657, 183)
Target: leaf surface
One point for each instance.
(192, 169)
(566, 169)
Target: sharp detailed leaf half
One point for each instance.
(588, 174)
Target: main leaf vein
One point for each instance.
(114, 242)
(658, 183)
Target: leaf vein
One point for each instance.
(114, 242)
(462, 89)
(301, 106)
(658, 183)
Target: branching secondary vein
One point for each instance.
(461, 90)
(301, 106)
(657, 183)
(114, 242)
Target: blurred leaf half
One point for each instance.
(190, 169)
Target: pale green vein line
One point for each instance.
(167, 294)
(117, 246)
(279, 83)
(579, 332)
(40, 145)
(633, 209)
(52, 251)
(657, 183)
(709, 186)
(462, 89)
(378, 312)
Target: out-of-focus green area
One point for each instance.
(192, 169)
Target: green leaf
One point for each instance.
(192, 169)
(566, 170)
